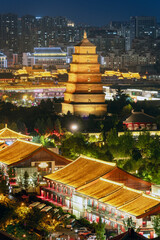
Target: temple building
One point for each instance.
(84, 94)
(93, 188)
(140, 121)
(9, 136)
(22, 155)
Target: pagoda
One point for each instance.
(84, 94)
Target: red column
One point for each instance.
(151, 234)
(97, 206)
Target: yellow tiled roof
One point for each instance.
(81, 171)
(140, 205)
(19, 150)
(121, 197)
(7, 133)
(100, 188)
(1, 142)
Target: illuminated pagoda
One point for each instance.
(84, 94)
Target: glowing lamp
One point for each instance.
(74, 127)
(43, 165)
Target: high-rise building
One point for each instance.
(3, 60)
(28, 33)
(84, 94)
(141, 26)
(9, 31)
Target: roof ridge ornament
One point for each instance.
(5, 125)
(85, 34)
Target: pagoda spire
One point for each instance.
(85, 34)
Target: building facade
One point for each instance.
(84, 94)
(140, 121)
(93, 188)
(46, 56)
(142, 26)
(3, 60)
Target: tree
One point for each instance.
(11, 172)
(143, 143)
(35, 178)
(26, 176)
(74, 145)
(156, 224)
(112, 137)
(4, 187)
(13, 126)
(129, 223)
(58, 127)
(100, 230)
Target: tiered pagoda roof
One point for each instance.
(22, 150)
(85, 42)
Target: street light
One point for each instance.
(74, 127)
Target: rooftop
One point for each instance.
(2, 54)
(22, 150)
(81, 171)
(85, 42)
(7, 133)
(140, 117)
(89, 177)
(48, 50)
(130, 235)
(119, 196)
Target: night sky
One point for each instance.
(95, 12)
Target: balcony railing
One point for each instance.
(105, 213)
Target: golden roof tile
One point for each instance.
(81, 171)
(19, 150)
(7, 133)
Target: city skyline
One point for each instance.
(86, 12)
